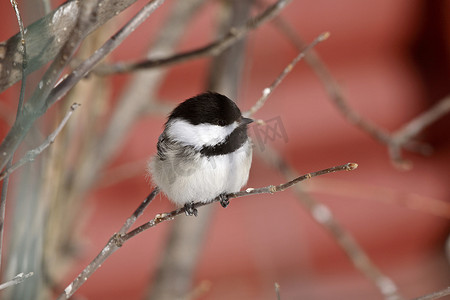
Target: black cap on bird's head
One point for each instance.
(208, 108)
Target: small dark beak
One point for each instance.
(246, 121)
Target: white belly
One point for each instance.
(201, 178)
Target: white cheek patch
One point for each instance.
(198, 135)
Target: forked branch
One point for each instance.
(118, 239)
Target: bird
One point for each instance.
(204, 152)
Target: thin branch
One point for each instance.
(3, 208)
(76, 75)
(435, 295)
(118, 239)
(330, 84)
(111, 247)
(18, 113)
(399, 139)
(16, 280)
(37, 105)
(212, 49)
(410, 130)
(23, 51)
(47, 36)
(132, 219)
(250, 191)
(287, 70)
(32, 154)
(39, 100)
(418, 124)
(324, 217)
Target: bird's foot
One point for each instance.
(224, 200)
(190, 210)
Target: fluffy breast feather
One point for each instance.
(185, 175)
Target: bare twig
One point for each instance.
(39, 101)
(3, 196)
(435, 295)
(250, 191)
(404, 136)
(212, 49)
(37, 104)
(47, 36)
(330, 84)
(323, 215)
(32, 154)
(109, 249)
(132, 219)
(267, 91)
(418, 124)
(18, 113)
(23, 50)
(76, 75)
(399, 139)
(16, 280)
(118, 239)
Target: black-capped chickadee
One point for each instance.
(203, 152)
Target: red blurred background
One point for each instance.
(392, 60)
